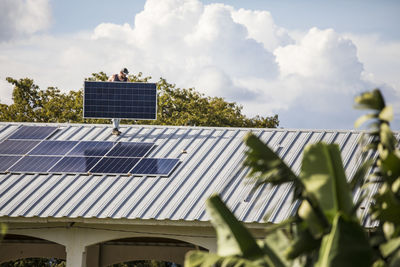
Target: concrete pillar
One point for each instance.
(76, 255)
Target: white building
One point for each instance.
(100, 219)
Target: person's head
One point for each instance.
(124, 72)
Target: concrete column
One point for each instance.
(76, 255)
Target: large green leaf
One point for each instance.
(389, 247)
(324, 179)
(266, 166)
(205, 259)
(303, 243)
(346, 245)
(232, 237)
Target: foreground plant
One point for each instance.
(325, 230)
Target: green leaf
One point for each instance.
(389, 247)
(370, 100)
(364, 118)
(386, 114)
(302, 244)
(323, 176)
(276, 243)
(346, 246)
(360, 174)
(266, 166)
(232, 237)
(387, 138)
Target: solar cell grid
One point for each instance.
(115, 165)
(33, 132)
(120, 100)
(7, 161)
(16, 147)
(47, 148)
(155, 166)
(40, 164)
(91, 148)
(75, 164)
(130, 149)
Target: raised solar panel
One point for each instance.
(16, 147)
(47, 148)
(124, 100)
(33, 132)
(155, 166)
(91, 148)
(40, 164)
(115, 165)
(7, 161)
(130, 149)
(75, 164)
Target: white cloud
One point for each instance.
(310, 81)
(23, 17)
(262, 28)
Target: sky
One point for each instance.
(303, 60)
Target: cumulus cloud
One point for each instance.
(309, 78)
(23, 17)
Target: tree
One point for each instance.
(325, 230)
(176, 106)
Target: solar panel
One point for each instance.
(130, 149)
(33, 132)
(40, 164)
(17, 147)
(91, 148)
(154, 166)
(7, 161)
(48, 148)
(123, 100)
(75, 164)
(115, 165)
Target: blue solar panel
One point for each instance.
(7, 161)
(130, 149)
(33, 132)
(16, 147)
(120, 100)
(115, 165)
(91, 148)
(153, 166)
(48, 148)
(35, 164)
(75, 164)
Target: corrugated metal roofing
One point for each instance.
(211, 161)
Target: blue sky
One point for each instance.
(303, 60)
(357, 16)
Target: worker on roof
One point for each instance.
(122, 76)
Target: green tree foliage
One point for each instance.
(176, 106)
(36, 262)
(325, 231)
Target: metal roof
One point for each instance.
(211, 161)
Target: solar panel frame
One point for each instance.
(7, 161)
(68, 164)
(17, 147)
(130, 150)
(110, 163)
(34, 164)
(107, 97)
(105, 147)
(171, 167)
(33, 132)
(54, 148)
